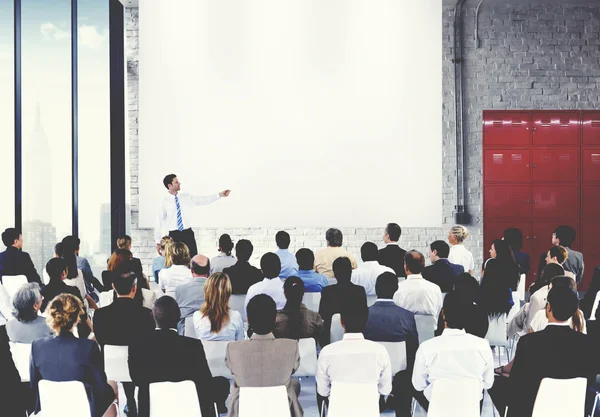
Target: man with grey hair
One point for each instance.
(28, 326)
(190, 296)
(325, 257)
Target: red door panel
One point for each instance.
(542, 238)
(556, 165)
(507, 201)
(591, 202)
(506, 128)
(591, 127)
(591, 251)
(507, 166)
(591, 164)
(555, 201)
(556, 128)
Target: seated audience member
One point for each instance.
(502, 253)
(476, 320)
(577, 321)
(190, 296)
(587, 304)
(441, 272)
(215, 320)
(12, 395)
(555, 352)
(366, 274)
(263, 361)
(495, 296)
(79, 359)
(72, 244)
(75, 278)
(454, 354)
(162, 355)
(243, 275)
(117, 258)
(159, 263)
(390, 323)
(271, 285)
(416, 294)
(57, 254)
(514, 238)
(325, 257)
(295, 321)
(392, 255)
(353, 359)
(13, 261)
(143, 296)
(344, 291)
(556, 255)
(313, 281)
(125, 242)
(459, 255)
(28, 326)
(289, 266)
(565, 236)
(224, 259)
(179, 273)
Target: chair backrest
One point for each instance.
(215, 352)
(166, 397)
(514, 310)
(308, 357)
(312, 300)
(353, 399)
(264, 402)
(337, 331)
(331, 281)
(371, 300)
(595, 306)
(560, 397)
(21, 354)
(455, 398)
(12, 283)
(426, 325)
(237, 303)
(496, 333)
(63, 399)
(45, 277)
(397, 352)
(115, 363)
(106, 298)
(521, 287)
(190, 330)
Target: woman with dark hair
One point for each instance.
(121, 262)
(295, 321)
(224, 259)
(495, 297)
(514, 238)
(501, 251)
(75, 278)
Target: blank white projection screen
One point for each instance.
(315, 113)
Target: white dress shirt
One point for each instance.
(354, 359)
(221, 261)
(234, 330)
(459, 255)
(419, 296)
(540, 321)
(453, 355)
(167, 212)
(367, 273)
(271, 287)
(6, 307)
(170, 278)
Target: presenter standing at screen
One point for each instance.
(175, 214)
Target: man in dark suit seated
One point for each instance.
(344, 291)
(163, 355)
(390, 323)
(243, 275)
(441, 271)
(123, 322)
(393, 255)
(556, 352)
(13, 261)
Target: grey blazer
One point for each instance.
(574, 264)
(264, 361)
(189, 297)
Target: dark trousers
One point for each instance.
(186, 236)
(129, 389)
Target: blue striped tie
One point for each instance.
(179, 219)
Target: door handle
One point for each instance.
(527, 202)
(535, 237)
(527, 237)
(535, 165)
(534, 201)
(526, 165)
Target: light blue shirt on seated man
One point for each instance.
(289, 266)
(313, 281)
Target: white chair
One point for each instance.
(12, 283)
(190, 330)
(63, 399)
(521, 287)
(166, 397)
(455, 398)
(308, 357)
(21, 353)
(116, 364)
(560, 397)
(237, 303)
(353, 400)
(264, 402)
(106, 298)
(331, 281)
(148, 298)
(337, 331)
(496, 334)
(215, 352)
(595, 306)
(371, 300)
(426, 325)
(397, 352)
(312, 300)
(514, 310)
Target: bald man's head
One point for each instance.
(200, 266)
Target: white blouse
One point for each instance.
(459, 255)
(540, 321)
(221, 261)
(234, 330)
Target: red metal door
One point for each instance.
(507, 128)
(556, 165)
(501, 201)
(591, 127)
(555, 201)
(591, 202)
(556, 127)
(591, 164)
(507, 166)
(591, 251)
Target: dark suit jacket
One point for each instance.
(122, 322)
(11, 394)
(574, 263)
(68, 358)
(55, 288)
(443, 273)
(332, 299)
(393, 257)
(14, 261)
(163, 355)
(242, 275)
(523, 261)
(555, 352)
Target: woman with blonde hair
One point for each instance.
(459, 255)
(215, 320)
(179, 271)
(79, 359)
(159, 263)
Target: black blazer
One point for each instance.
(68, 358)
(55, 288)
(122, 322)
(242, 275)
(14, 261)
(443, 273)
(11, 394)
(393, 257)
(555, 352)
(332, 299)
(163, 355)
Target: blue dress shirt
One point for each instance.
(313, 281)
(289, 266)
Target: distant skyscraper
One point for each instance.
(105, 225)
